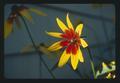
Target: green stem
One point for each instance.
(36, 49)
(91, 62)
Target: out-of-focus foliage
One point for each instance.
(106, 71)
(110, 76)
(43, 48)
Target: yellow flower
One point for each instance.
(70, 39)
(110, 76)
(106, 69)
(17, 11)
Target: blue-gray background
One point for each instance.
(100, 34)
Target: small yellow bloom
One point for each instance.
(17, 11)
(110, 76)
(70, 39)
(104, 65)
(107, 70)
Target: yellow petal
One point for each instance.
(37, 11)
(63, 59)
(55, 46)
(55, 34)
(79, 29)
(109, 76)
(61, 25)
(113, 62)
(83, 42)
(74, 60)
(104, 65)
(26, 14)
(69, 22)
(7, 28)
(44, 50)
(80, 56)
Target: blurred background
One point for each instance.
(99, 32)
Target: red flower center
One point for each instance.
(71, 40)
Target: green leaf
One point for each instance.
(106, 69)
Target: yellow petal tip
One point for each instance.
(74, 68)
(46, 32)
(67, 14)
(59, 65)
(49, 49)
(82, 61)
